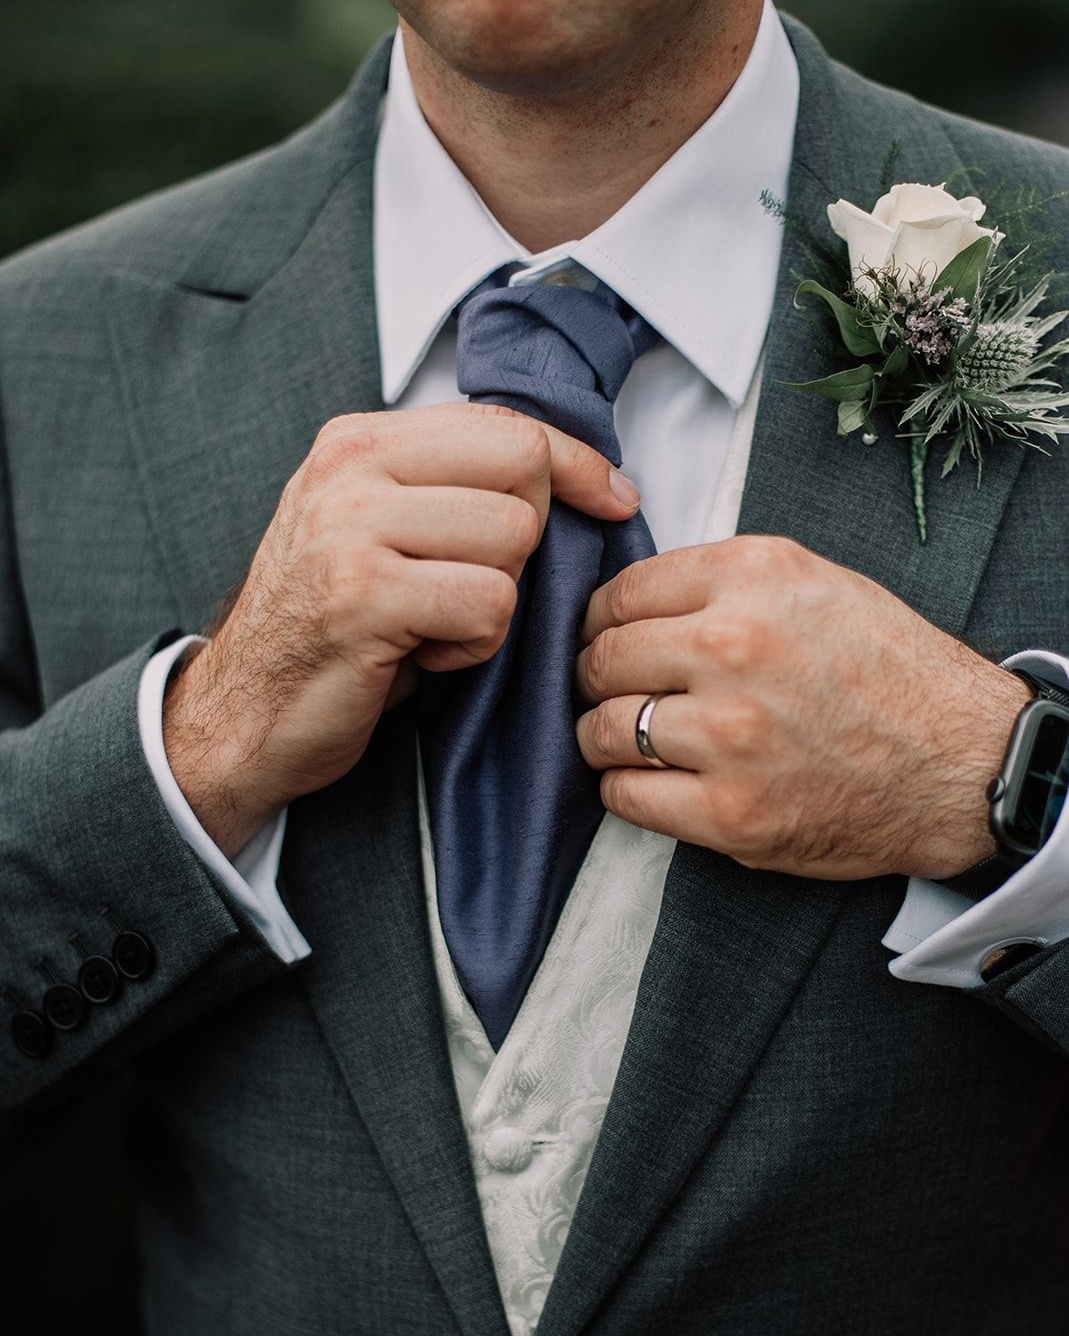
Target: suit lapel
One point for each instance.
(224, 395)
(731, 949)
(227, 377)
(848, 501)
(733, 946)
(352, 861)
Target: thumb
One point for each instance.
(586, 480)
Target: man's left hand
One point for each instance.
(814, 723)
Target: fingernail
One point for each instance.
(624, 489)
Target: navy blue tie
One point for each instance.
(513, 806)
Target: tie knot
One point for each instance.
(509, 337)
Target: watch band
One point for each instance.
(1044, 690)
(984, 878)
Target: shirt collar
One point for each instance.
(694, 251)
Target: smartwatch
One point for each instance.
(1026, 797)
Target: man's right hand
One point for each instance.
(397, 542)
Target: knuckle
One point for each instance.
(744, 727)
(476, 610)
(330, 434)
(600, 734)
(521, 523)
(341, 439)
(531, 444)
(620, 596)
(600, 657)
(357, 584)
(291, 501)
(769, 554)
(705, 638)
(737, 645)
(616, 791)
(751, 548)
(374, 566)
(739, 810)
(739, 641)
(495, 600)
(793, 560)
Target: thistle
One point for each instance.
(999, 384)
(999, 356)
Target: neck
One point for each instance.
(553, 167)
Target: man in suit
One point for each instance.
(795, 1140)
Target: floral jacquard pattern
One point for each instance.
(533, 1111)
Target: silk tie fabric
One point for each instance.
(513, 806)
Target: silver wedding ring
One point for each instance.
(642, 734)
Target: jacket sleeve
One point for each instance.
(1034, 992)
(112, 931)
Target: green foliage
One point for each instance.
(843, 387)
(859, 339)
(964, 272)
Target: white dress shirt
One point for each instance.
(696, 254)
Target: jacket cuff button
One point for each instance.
(31, 1034)
(134, 955)
(99, 980)
(64, 1006)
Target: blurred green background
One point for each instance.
(103, 100)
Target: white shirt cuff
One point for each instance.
(252, 876)
(943, 937)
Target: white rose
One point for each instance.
(914, 231)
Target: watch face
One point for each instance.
(1031, 810)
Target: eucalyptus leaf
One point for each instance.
(964, 272)
(843, 387)
(896, 363)
(853, 414)
(861, 342)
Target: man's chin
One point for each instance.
(539, 50)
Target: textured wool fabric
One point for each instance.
(797, 1143)
(513, 805)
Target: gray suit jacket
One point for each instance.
(797, 1143)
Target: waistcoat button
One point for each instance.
(508, 1149)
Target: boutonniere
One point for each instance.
(943, 329)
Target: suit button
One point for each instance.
(31, 1034)
(1003, 958)
(99, 980)
(508, 1150)
(64, 1006)
(134, 955)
